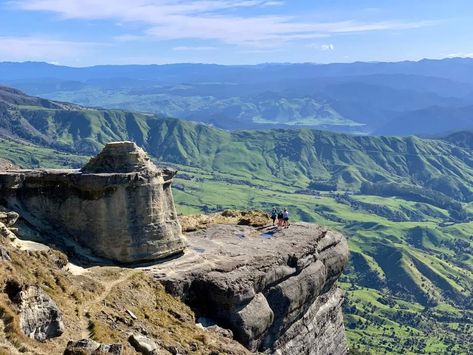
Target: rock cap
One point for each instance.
(120, 157)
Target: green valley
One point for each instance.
(405, 204)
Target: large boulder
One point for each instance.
(91, 347)
(40, 317)
(143, 344)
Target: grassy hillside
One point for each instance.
(404, 203)
(305, 158)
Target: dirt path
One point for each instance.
(108, 287)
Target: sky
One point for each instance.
(92, 32)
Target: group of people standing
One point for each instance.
(282, 217)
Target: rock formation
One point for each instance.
(119, 205)
(40, 317)
(275, 290)
(88, 346)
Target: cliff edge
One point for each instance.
(276, 290)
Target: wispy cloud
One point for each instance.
(194, 48)
(42, 49)
(327, 47)
(217, 20)
(322, 47)
(460, 55)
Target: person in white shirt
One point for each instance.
(286, 218)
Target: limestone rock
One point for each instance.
(9, 218)
(254, 319)
(143, 344)
(6, 165)
(91, 347)
(120, 157)
(119, 205)
(4, 256)
(40, 317)
(276, 290)
(6, 232)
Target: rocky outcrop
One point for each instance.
(275, 290)
(143, 344)
(4, 255)
(40, 317)
(90, 347)
(119, 205)
(6, 165)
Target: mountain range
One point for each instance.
(425, 98)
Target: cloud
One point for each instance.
(41, 49)
(460, 55)
(217, 20)
(327, 47)
(194, 48)
(321, 47)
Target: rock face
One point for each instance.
(4, 256)
(40, 318)
(275, 290)
(90, 347)
(119, 205)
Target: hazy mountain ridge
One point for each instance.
(300, 157)
(354, 97)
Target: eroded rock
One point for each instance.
(9, 218)
(7, 165)
(119, 205)
(6, 232)
(276, 290)
(4, 256)
(91, 347)
(40, 317)
(143, 344)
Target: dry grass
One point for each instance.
(106, 293)
(250, 218)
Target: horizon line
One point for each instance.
(235, 65)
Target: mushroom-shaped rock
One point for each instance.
(119, 204)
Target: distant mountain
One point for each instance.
(356, 97)
(462, 139)
(430, 121)
(306, 158)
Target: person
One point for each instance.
(274, 214)
(286, 218)
(280, 218)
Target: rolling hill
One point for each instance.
(405, 203)
(369, 98)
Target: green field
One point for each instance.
(408, 286)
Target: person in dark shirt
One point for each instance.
(274, 215)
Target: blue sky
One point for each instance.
(89, 32)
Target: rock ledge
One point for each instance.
(275, 290)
